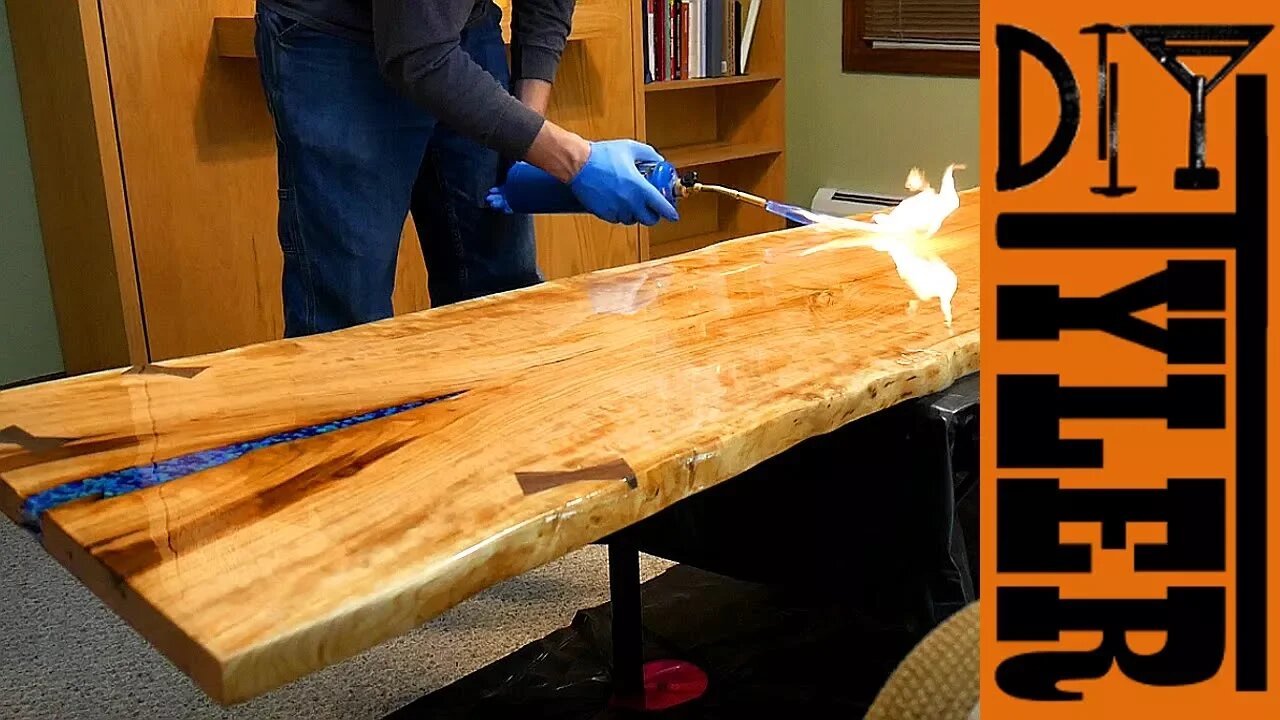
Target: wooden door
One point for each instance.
(200, 176)
(198, 155)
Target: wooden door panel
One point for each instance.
(200, 174)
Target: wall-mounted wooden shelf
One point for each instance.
(233, 36)
(670, 85)
(689, 156)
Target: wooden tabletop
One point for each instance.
(427, 457)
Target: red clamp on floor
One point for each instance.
(667, 684)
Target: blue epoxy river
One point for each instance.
(120, 482)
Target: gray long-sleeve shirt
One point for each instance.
(418, 51)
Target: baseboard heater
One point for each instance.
(842, 203)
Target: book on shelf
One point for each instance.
(696, 39)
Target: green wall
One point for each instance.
(865, 132)
(28, 330)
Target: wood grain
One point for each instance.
(71, 135)
(685, 371)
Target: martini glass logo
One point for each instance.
(1169, 45)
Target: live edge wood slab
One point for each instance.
(464, 445)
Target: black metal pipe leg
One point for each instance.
(624, 598)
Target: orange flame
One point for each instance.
(902, 232)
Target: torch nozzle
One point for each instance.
(730, 192)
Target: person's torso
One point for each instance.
(352, 18)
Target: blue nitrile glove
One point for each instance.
(610, 187)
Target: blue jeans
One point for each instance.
(355, 157)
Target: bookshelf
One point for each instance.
(731, 130)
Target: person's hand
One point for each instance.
(610, 186)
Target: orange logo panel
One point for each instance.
(1128, 502)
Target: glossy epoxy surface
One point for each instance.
(570, 410)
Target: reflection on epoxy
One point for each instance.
(626, 294)
(900, 233)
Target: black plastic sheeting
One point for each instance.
(803, 581)
(768, 652)
(868, 512)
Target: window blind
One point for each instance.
(915, 23)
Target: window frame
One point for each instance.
(860, 57)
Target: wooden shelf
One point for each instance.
(712, 153)
(669, 85)
(233, 36)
